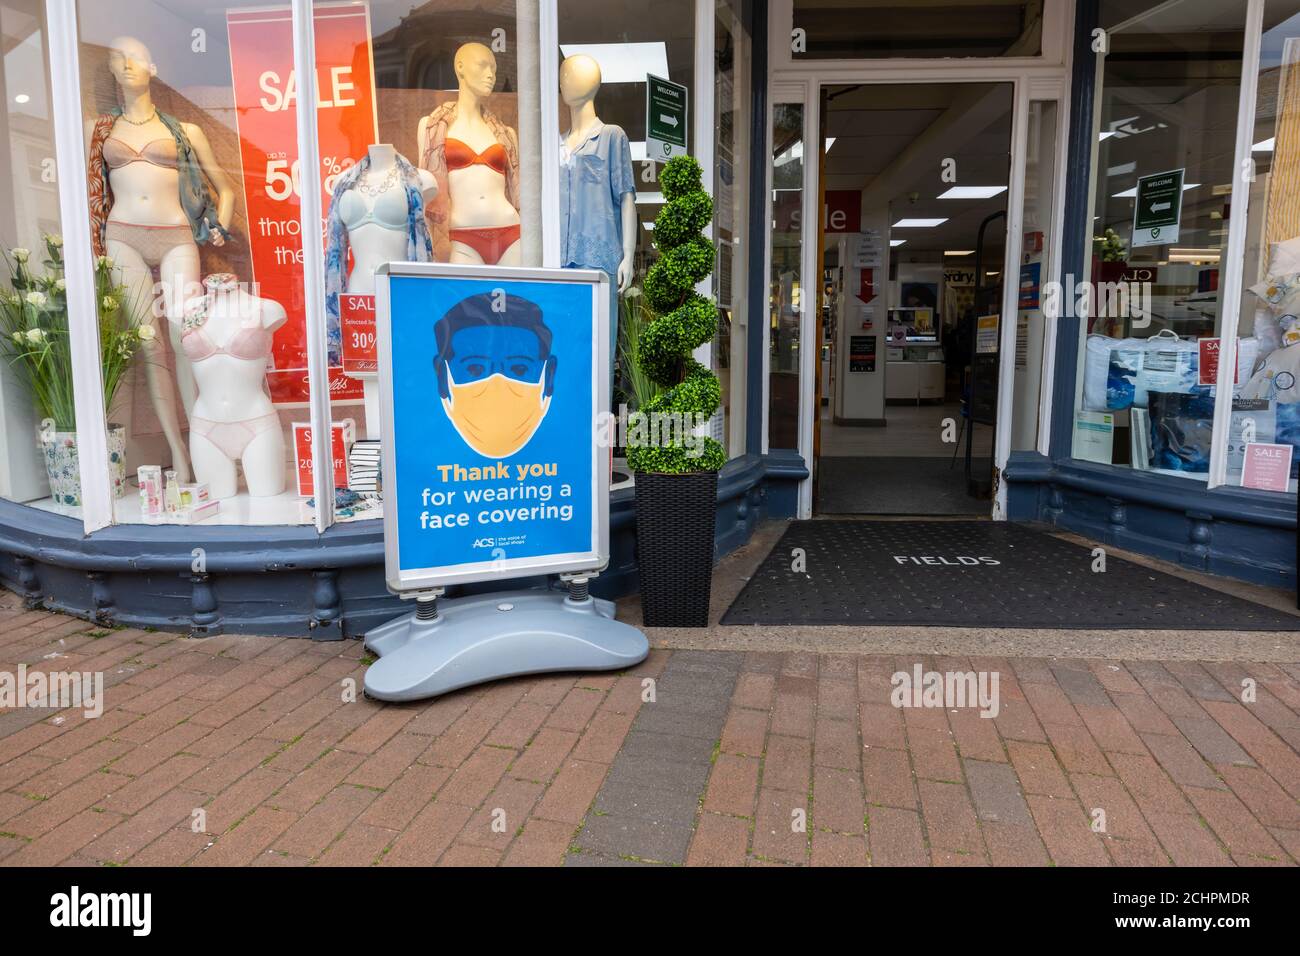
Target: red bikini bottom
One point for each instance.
(489, 242)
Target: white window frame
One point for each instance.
(1237, 226)
(787, 93)
(1045, 77)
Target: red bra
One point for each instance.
(459, 155)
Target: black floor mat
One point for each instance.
(974, 574)
(898, 486)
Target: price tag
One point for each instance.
(357, 316)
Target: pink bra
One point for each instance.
(159, 152)
(247, 344)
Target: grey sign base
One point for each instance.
(491, 636)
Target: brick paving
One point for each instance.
(244, 751)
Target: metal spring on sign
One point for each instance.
(426, 609)
(578, 590)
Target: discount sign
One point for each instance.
(266, 97)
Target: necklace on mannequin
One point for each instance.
(216, 284)
(375, 189)
(148, 119)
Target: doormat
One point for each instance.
(974, 574)
(897, 486)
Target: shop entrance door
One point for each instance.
(906, 350)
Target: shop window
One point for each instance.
(785, 296)
(1170, 78)
(1268, 410)
(615, 47)
(194, 188)
(879, 29)
(437, 161)
(199, 327)
(35, 351)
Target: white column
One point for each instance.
(1235, 261)
(79, 268)
(313, 263)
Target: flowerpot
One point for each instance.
(675, 518)
(63, 468)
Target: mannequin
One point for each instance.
(150, 208)
(597, 189)
(376, 212)
(227, 334)
(475, 159)
(373, 239)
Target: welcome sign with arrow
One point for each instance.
(1158, 208)
(665, 118)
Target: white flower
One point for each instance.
(36, 299)
(55, 241)
(20, 254)
(109, 303)
(105, 262)
(35, 335)
(18, 336)
(60, 285)
(146, 333)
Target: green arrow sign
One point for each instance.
(1158, 208)
(665, 118)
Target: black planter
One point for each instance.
(675, 517)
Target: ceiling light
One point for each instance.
(1131, 192)
(1265, 147)
(1194, 255)
(919, 223)
(959, 252)
(22, 98)
(623, 62)
(896, 242)
(973, 192)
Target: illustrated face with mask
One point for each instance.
(496, 386)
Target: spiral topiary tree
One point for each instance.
(684, 320)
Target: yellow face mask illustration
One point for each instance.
(498, 415)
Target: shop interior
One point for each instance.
(913, 177)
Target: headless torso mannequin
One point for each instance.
(226, 335)
(375, 214)
(579, 84)
(484, 223)
(148, 228)
(597, 189)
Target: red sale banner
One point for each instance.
(357, 313)
(340, 437)
(266, 96)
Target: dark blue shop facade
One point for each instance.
(851, 335)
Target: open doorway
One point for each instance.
(915, 185)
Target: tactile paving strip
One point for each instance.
(974, 574)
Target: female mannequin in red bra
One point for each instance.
(137, 180)
(474, 158)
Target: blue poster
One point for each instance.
(494, 416)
